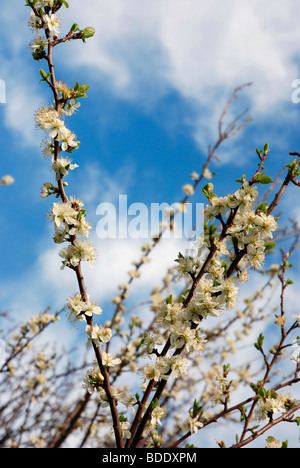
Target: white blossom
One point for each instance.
(34, 23)
(124, 425)
(188, 189)
(98, 334)
(62, 166)
(267, 407)
(46, 189)
(109, 361)
(79, 308)
(71, 107)
(157, 415)
(38, 43)
(193, 424)
(178, 365)
(52, 23)
(169, 314)
(273, 443)
(93, 380)
(156, 371)
(7, 180)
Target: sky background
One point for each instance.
(160, 73)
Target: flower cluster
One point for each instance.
(236, 236)
(40, 23)
(155, 440)
(70, 223)
(278, 403)
(77, 252)
(48, 119)
(37, 323)
(235, 233)
(271, 442)
(250, 229)
(98, 334)
(93, 382)
(69, 220)
(164, 367)
(80, 309)
(157, 415)
(221, 392)
(193, 424)
(68, 215)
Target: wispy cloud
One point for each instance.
(23, 94)
(143, 51)
(194, 47)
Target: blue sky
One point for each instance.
(160, 73)
(159, 78)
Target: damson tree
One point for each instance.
(169, 379)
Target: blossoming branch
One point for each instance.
(238, 233)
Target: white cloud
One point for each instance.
(115, 260)
(143, 50)
(23, 96)
(194, 47)
(45, 284)
(20, 108)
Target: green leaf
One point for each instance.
(44, 75)
(180, 256)
(225, 266)
(266, 147)
(263, 207)
(259, 343)
(212, 230)
(263, 179)
(253, 386)
(270, 246)
(75, 27)
(183, 295)
(261, 392)
(207, 190)
(242, 180)
(81, 91)
(154, 403)
(292, 166)
(226, 368)
(169, 299)
(86, 33)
